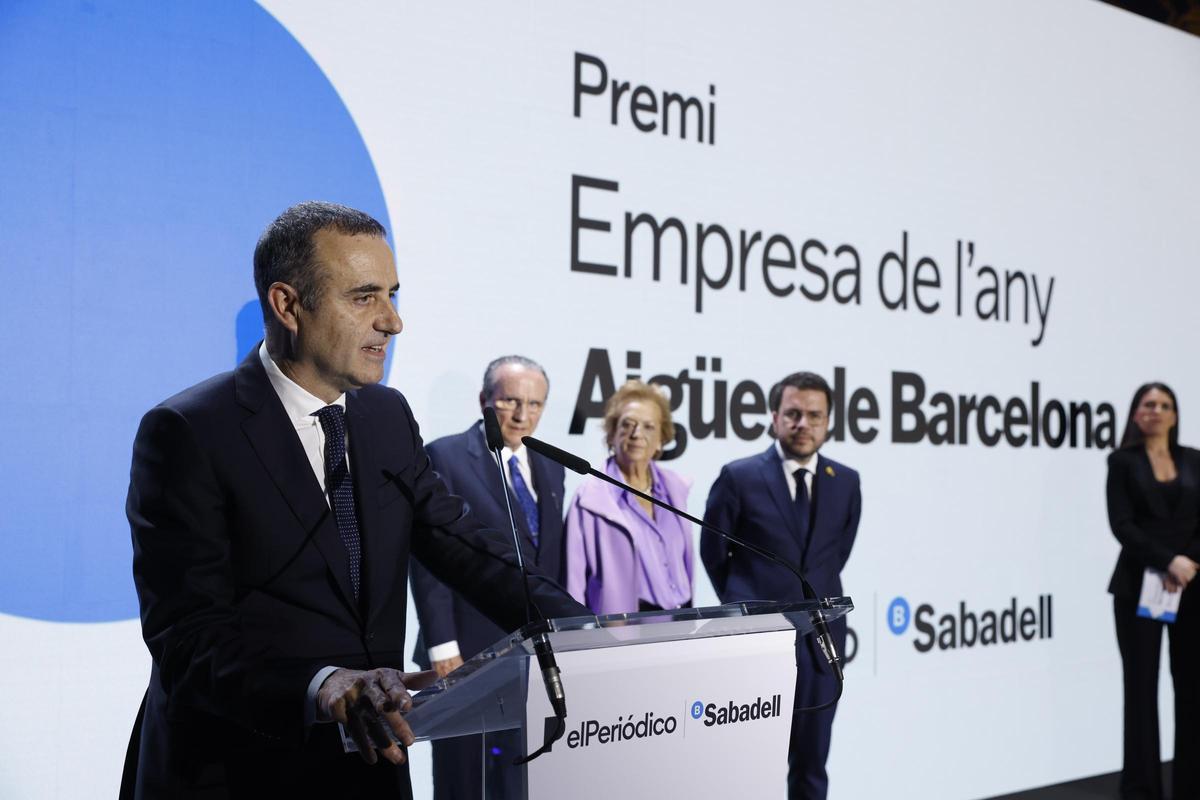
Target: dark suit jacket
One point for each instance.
(243, 581)
(468, 469)
(750, 499)
(1150, 533)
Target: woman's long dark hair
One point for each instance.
(1133, 434)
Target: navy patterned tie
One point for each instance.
(525, 498)
(803, 505)
(341, 488)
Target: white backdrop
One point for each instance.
(1050, 137)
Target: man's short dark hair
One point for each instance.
(800, 380)
(489, 374)
(286, 252)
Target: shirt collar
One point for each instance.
(613, 469)
(522, 452)
(298, 402)
(791, 464)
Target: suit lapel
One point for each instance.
(483, 462)
(1150, 488)
(550, 514)
(824, 488)
(273, 438)
(380, 557)
(1187, 484)
(771, 469)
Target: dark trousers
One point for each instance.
(461, 767)
(808, 749)
(1140, 643)
(321, 769)
(326, 774)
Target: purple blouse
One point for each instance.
(617, 554)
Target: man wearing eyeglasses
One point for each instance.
(805, 508)
(451, 628)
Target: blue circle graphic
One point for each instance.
(146, 146)
(898, 615)
(697, 709)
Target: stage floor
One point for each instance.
(1097, 787)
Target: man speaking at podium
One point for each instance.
(805, 508)
(273, 510)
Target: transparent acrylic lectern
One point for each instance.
(653, 699)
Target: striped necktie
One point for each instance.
(341, 488)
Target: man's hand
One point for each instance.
(1182, 570)
(363, 701)
(446, 666)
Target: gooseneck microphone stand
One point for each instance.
(551, 677)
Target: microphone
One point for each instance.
(551, 676)
(569, 460)
(824, 637)
(495, 443)
(491, 430)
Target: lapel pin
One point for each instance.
(829, 471)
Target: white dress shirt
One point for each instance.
(522, 454)
(790, 465)
(300, 405)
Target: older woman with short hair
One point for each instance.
(623, 552)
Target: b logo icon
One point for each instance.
(697, 709)
(898, 616)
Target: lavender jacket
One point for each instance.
(602, 542)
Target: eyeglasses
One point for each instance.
(630, 426)
(794, 416)
(513, 403)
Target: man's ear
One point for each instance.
(284, 302)
(482, 401)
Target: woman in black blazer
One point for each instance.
(1154, 510)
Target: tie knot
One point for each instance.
(332, 419)
(513, 461)
(800, 473)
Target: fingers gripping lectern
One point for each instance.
(693, 702)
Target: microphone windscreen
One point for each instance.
(568, 460)
(491, 429)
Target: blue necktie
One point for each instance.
(803, 506)
(525, 498)
(341, 488)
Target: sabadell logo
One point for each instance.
(966, 626)
(731, 712)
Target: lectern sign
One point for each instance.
(669, 719)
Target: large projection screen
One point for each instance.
(977, 220)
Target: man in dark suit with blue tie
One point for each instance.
(805, 508)
(451, 628)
